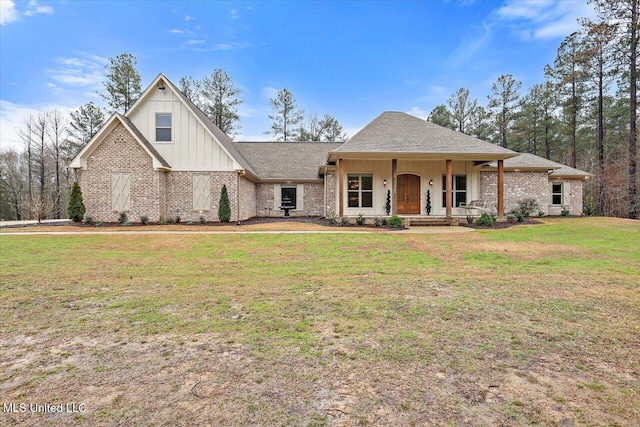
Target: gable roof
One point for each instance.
(286, 160)
(80, 161)
(394, 132)
(531, 162)
(222, 138)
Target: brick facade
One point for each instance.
(146, 184)
(313, 200)
(330, 190)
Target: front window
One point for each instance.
(360, 190)
(288, 199)
(163, 127)
(459, 190)
(556, 193)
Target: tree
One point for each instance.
(224, 207)
(504, 100)
(462, 108)
(624, 15)
(86, 121)
(217, 97)
(12, 183)
(328, 129)
(441, 116)
(76, 208)
(568, 76)
(480, 124)
(285, 116)
(122, 84)
(26, 135)
(57, 130)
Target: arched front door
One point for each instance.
(408, 194)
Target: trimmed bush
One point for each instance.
(395, 221)
(144, 220)
(76, 209)
(360, 219)
(527, 207)
(485, 220)
(344, 221)
(122, 217)
(224, 207)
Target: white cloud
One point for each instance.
(188, 18)
(13, 117)
(234, 14)
(34, 8)
(176, 31)
(269, 92)
(8, 11)
(469, 46)
(418, 112)
(191, 42)
(79, 71)
(544, 19)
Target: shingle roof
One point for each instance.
(222, 137)
(529, 161)
(396, 132)
(286, 160)
(142, 139)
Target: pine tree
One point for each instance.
(76, 207)
(122, 82)
(224, 207)
(286, 116)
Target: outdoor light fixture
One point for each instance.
(430, 182)
(384, 182)
(161, 86)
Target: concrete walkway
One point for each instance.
(8, 224)
(412, 230)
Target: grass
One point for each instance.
(526, 325)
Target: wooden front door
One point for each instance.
(408, 194)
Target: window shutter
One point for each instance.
(121, 191)
(201, 192)
(277, 196)
(300, 197)
(566, 194)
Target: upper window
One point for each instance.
(360, 190)
(556, 193)
(163, 127)
(288, 199)
(459, 190)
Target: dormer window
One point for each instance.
(163, 127)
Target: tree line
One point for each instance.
(584, 113)
(35, 182)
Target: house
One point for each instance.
(164, 158)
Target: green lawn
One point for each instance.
(522, 326)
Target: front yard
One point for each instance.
(527, 325)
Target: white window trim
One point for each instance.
(562, 193)
(277, 196)
(360, 190)
(156, 127)
(453, 190)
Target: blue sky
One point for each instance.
(351, 59)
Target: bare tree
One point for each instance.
(12, 180)
(462, 108)
(57, 131)
(286, 116)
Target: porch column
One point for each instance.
(341, 187)
(394, 186)
(500, 188)
(449, 185)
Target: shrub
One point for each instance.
(469, 219)
(360, 219)
(540, 213)
(588, 210)
(162, 221)
(122, 217)
(387, 207)
(395, 221)
(126, 224)
(564, 211)
(99, 224)
(144, 219)
(485, 220)
(332, 220)
(224, 207)
(344, 221)
(189, 222)
(377, 221)
(511, 217)
(203, 221)
(527, 207)
(384, 221)
(88, 220)
(177, 221)
(76, 209)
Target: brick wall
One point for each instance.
(313, 200)
(121, 153)
(180, 195)
(330, 188)
(247, 199)
(517, 186)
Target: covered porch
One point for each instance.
(412, 187)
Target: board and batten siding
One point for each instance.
(192, 148)
(425, 169)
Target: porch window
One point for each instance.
(360, 192)
(459, 191)
(163, 127)
(556, 193)
(288, 196)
